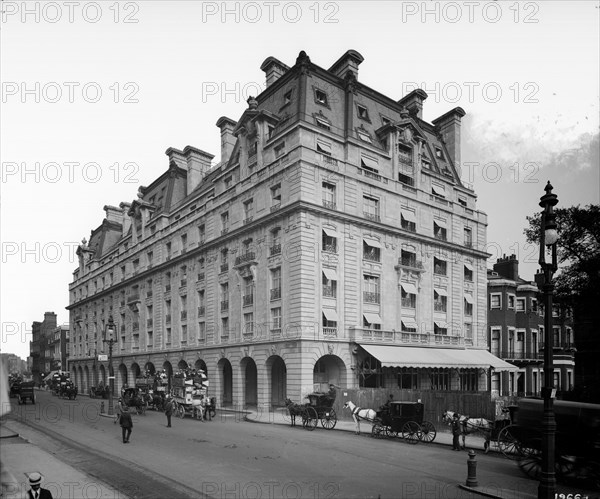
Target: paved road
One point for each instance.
(229, 457)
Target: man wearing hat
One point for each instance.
(37, 492)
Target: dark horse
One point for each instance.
(294, 410)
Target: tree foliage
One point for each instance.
(578, 252)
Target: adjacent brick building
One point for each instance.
(516, 329)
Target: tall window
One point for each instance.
(224, 222)
(440, 379)
(249, 324)
(183, 242)
(201, 234)
(468, 272)
(328, 193)
(371, 208)
(468, 303)
(225, 328)
(439, 266)
(329, 241)
(408, 258)
(408, 378)
(248, 298)
(329, 283)
(439, 230)
(224, 260)
(276, 319)
(224, 297)
(248, 211)
(468, 236)
(276, 195)
(276, 283)
(408, 295)
(275, 248)
(440, 300)
(495, 300)
(469, 380)
(371, 252)
(408, 220)
(371, 290)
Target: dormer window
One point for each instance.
(270, 131)
(439, 153)
(287, 97)
(363, 112)
(320, 97)
(385, 121)
(364, 136)
(227, 182)
(405, 154)
(323, 123)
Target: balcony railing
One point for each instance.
(246, 257)
(330, 332)
(329, 204)
(201, 276)
(411, 263)
(330, 248)
(328, 160)
(403, 337)
(520, 355)
(372, 216)
(370, 174)
(371, 297)
(275, 250)
(372, 256)
(224, 267)
(329, 292)
(275, 294)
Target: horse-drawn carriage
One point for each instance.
(133, 399)
(577, 439)
(190, 395)
(405, 419)
(25, 392)
(62, 386)
(318, 408)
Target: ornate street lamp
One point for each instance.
(110, 335)
(548, 238)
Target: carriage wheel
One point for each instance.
(377, 430)
(428, 432)
(329, 419)
(411, 432)
(310, 418)
(180, 412)
(390, 433)
(508, 443)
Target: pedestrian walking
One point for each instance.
(455, 432)
(169, 410)
(119, 410)
(126, 424)
(37, 492)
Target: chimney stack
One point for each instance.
(273, 69)
(349, 62)
(113, 214)
(508, 267)
(197, 164)
(448, 126)
(227, 138)
(176, 157)
(413, 102)
(125, 218)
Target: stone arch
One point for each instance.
(102, 375)
(182, 365)
(86, 377)
(249, 374)
(149, 367)
(200, 364)
(168, 368)
(225, 375)
(277, 380)
(329, 369)
(121, 379)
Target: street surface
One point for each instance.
(231, 458)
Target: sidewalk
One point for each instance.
(20, 456)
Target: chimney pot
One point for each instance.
(348, 63)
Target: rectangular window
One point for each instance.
(329, 241)
(225, 328)
(468, 331)
(495, 300)
(276, 283)
(511, 301)
(371, 290)
(439, 230)
(408, 295)
(408, 220)
(248, 211)
(520, 304)
(276, 195)
(371, 251)
(371, 208)
(184, 335)
(406, 179)
(405, 154)
(328, 193)
(329, 283)
(224, 297)
(363, 112)
(440, 379)
(468, 305)
(468, 237)
(201, 332)
(440, 300)
(249, 324)
(468, 272)
(224, 222)
(469, 380)
(201, 234)
(440, 267)
(183, 243)
(276, 318)
(320, 97)
(408, 378)
(438, 190)
(462, 202)
(275, 248)
(248, 298)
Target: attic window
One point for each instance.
(227, 182)
(321, 97)
(270, 131)
(364, 136)
(363, 112)
(385, 121)
(322, 123)
(287, 97)
(439, 153)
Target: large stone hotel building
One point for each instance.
(334, 242)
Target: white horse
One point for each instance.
(358, 414)
(471, 425)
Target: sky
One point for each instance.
(93, 94)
